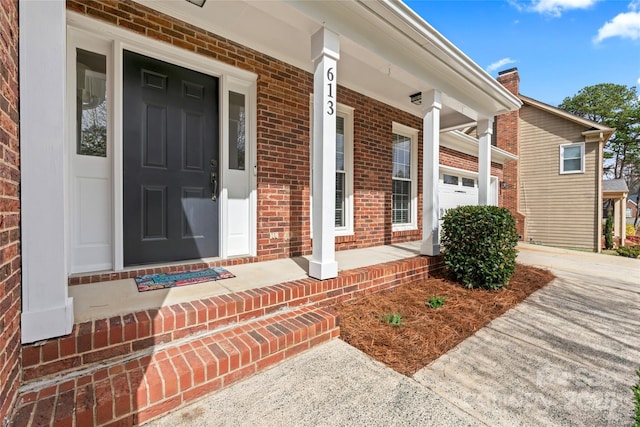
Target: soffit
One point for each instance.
(467, 144)
(382, 55)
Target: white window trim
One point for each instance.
(345, 112)
(411, 133)
(582, 156)
(123, 39)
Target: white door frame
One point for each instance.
(125, 40)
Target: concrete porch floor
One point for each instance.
(106, 299)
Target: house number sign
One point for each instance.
(331, 87)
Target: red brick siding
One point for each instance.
(372, 152)
(10, 276)
(508, 139)
(283, 126)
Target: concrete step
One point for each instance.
(134, 387)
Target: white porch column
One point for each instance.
(485, 130)
(623, 220)
(47, 311)
(325, 52)
(432, 101)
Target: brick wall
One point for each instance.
(10, 289)
(283, 138)
(508, 139)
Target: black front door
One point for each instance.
(170, 161)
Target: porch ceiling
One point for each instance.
(384, 54)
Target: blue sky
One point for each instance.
(559, 46)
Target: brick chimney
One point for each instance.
(507, 137)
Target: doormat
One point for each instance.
(150, 282)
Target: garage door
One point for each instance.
(457, 190)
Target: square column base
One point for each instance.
(322, 271)
(50, 323)
(430, 249)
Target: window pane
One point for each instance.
(340, 193)
(572, 165)
(572, 152)
(237, 129)
(340, 143)
(401, 212)
(401, 156)
(450, 179)
(91, 103)
(468, 182)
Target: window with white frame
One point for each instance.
(344, 170)
(404, 177)
(572, 158)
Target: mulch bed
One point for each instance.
(427, 333)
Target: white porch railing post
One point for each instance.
(47, 310)
(432, 101)
(325, 52)
(485, 130)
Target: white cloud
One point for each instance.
(499, 64)
(639, 80)
(624, 25)
(556, 7)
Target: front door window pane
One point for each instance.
(91, 105)
(237, 131)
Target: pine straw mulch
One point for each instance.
(428, 333)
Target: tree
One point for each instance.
(615, 106)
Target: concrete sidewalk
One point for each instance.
(565, 356)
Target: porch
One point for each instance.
(134, 356)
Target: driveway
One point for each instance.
(565, 356)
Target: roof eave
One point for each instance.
(462, 64)
(593, 127)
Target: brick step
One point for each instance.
(107, 339)
(136, 388)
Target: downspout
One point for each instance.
(599, 194)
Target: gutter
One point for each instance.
(433, 40)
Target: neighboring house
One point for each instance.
(614, 196)
(559, 177)
(161, 132)
(631, 211)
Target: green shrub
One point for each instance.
(608, 233)
(630, 230)
(629, 251)
(480, 245)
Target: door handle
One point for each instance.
(213, 180)
(214, 185)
